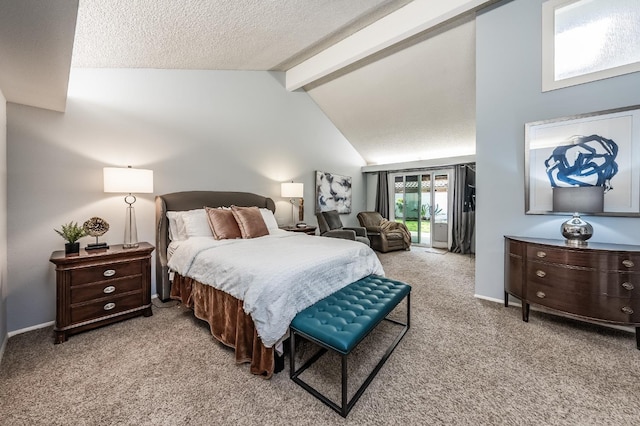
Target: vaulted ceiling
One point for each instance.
(397, 77)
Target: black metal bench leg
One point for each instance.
(292, 354)
(344, 409)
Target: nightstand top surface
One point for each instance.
(116, 250)
(298, 228)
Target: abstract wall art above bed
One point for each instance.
(333, 192)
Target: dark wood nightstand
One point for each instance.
(99, 287)
(309, 230)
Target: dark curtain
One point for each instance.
(382, 195)
(464, 208)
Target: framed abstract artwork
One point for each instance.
(596, 149)
(333, 192)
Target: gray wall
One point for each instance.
(3, 222)
(215, 130)
(508, 55)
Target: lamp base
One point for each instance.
(130, 229)
(576, 231)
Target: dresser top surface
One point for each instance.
(563, 244)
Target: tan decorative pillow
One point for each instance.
(250, 221)
(223, 224)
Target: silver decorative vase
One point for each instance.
(576, 231)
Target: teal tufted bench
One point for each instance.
(340, 321)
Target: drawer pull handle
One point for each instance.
(627, 263)
(111, 289)
(628, 286)
(109, 306)
(627, 310)
(541, 294)
(541, 254)
(541, 274)
(109, 272)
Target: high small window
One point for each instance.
(588, 40)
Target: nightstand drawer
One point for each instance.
(105, 272)
(105, 307)
(113, 288)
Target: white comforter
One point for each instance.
(277, 275)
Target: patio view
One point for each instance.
(421, 202)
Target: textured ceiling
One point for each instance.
(412, 102)
(215, 34)
(417, 103)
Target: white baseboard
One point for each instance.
(3, 346)
(490, 299)
(39, 326)
(33, 327)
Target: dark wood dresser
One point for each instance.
(598, 282)
(98, 287)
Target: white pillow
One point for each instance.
(174, 235)
(194, 224)
(269, 219)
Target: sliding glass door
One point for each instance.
(421, 202)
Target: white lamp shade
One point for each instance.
(128, 180)
(292, 190)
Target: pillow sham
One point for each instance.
(222, 223)
(269, 219)
(174, 235)
(194, 224)
(250, 221)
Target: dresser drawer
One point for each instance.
(513, 275)
(113, 288)
(563, 256)
(575, 280)
(616, 261)
(585, 281)
(594, 306)
(619, 284)
(107, 306)
(105, 272)
(515, 248)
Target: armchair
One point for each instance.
(330, 225)
(384, 235)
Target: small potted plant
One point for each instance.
(71, 232)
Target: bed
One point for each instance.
(249, 289)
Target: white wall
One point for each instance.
(508, 78)
(198, 130)
(3, 223)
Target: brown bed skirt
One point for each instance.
(227, 321)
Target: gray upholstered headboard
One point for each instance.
(189, 200)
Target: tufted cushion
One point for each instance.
(344, 318)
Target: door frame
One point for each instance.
(449, 171)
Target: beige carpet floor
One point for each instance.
(464, 361)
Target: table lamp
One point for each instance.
(576, 200)
(129, 180)
(293, 190)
